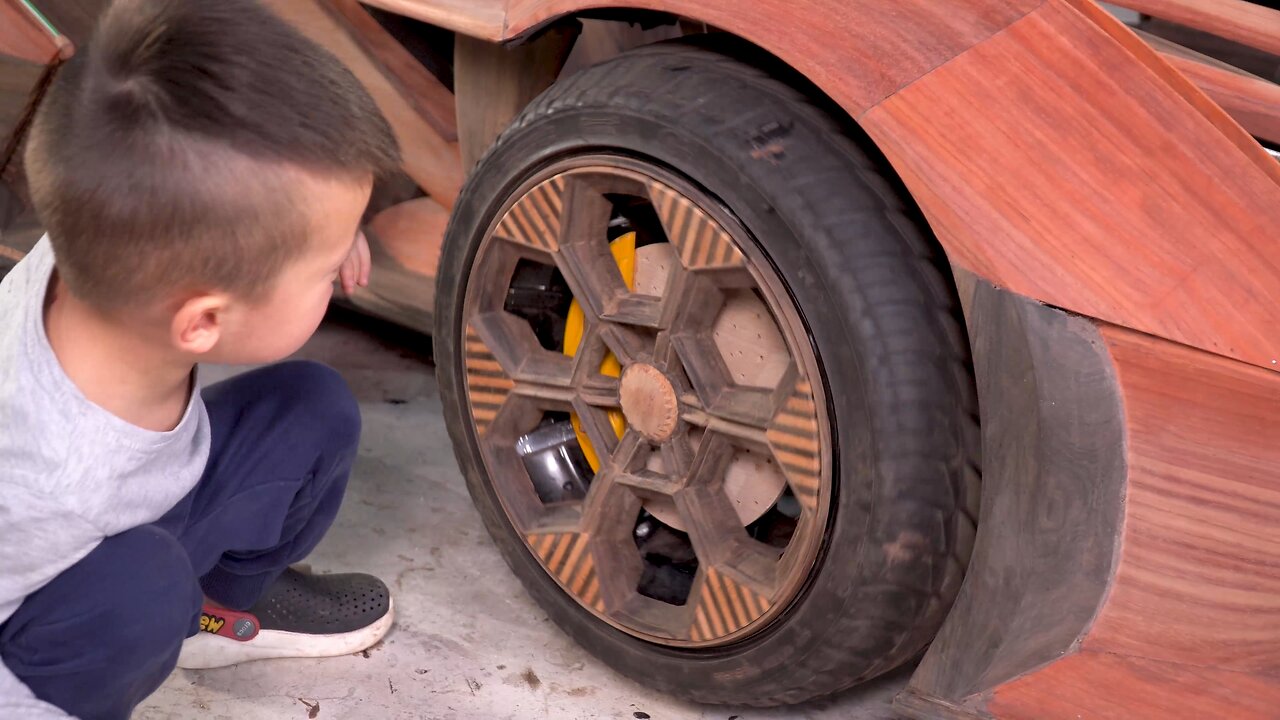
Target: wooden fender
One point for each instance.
(1124, 565)
(1053, 152)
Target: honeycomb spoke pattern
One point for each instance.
(723, 429)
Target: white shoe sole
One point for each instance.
(205, 650)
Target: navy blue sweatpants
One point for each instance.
(103, 635)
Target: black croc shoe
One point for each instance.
(300, 615)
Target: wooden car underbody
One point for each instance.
(1111, 218)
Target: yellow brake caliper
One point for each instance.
(624, 253)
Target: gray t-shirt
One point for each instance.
(71, 473)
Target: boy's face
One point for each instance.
(278, 325)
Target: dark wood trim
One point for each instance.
(911, 704)
(495, 82)
(1053, 489)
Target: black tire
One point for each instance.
(882, 315)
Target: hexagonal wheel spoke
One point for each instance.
(601, 391)
(598, 425)
(692, 304)
(585, 258)
(752, 407)
(645, 470)
(678, 455)
(608, 514)
(629, 345)
(513, 346)
(699, 517)
(600, 507)
(710, 520)
(721, 541)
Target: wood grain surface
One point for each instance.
(1145, 56)
(859, 51)
(1098, 191)
(432, 100)
(1247, 23)
(477, 18)
(1199, 580)
(1190, 624)
(74, 19)
(1102, 686)
(430, 159)
(22, 36)
(494, 83)
(1252, 101)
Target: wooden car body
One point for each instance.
(1111, 213)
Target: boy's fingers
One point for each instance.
(366, 259)
(348, 275)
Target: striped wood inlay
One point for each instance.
(702, 243)
(724, 607)
(535, 220)
(793, 436)
(487, 384)
(567, 557)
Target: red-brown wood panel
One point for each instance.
(22, 37)
(1250, 100)
(477, 18)
(859, 51)
(1254, 103)
(418, 86)
(1191, 625)
(1059, 157)
(1248, 23)
(1048, 163)
(1052, 151)
(1100, 686)
(1199, 577)
(1143, 55)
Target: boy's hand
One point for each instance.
(355, 269)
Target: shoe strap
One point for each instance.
(233, 624)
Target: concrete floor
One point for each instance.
(467, 644)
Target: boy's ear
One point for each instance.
(199, 323)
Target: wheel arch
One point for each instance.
(954, 96)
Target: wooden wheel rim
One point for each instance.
(740, 587)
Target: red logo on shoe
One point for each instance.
(233, 624)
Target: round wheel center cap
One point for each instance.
(649, 401)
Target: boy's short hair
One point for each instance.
(161, 158)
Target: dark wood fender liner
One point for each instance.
(1053, 440)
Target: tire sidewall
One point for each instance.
(779, 222)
